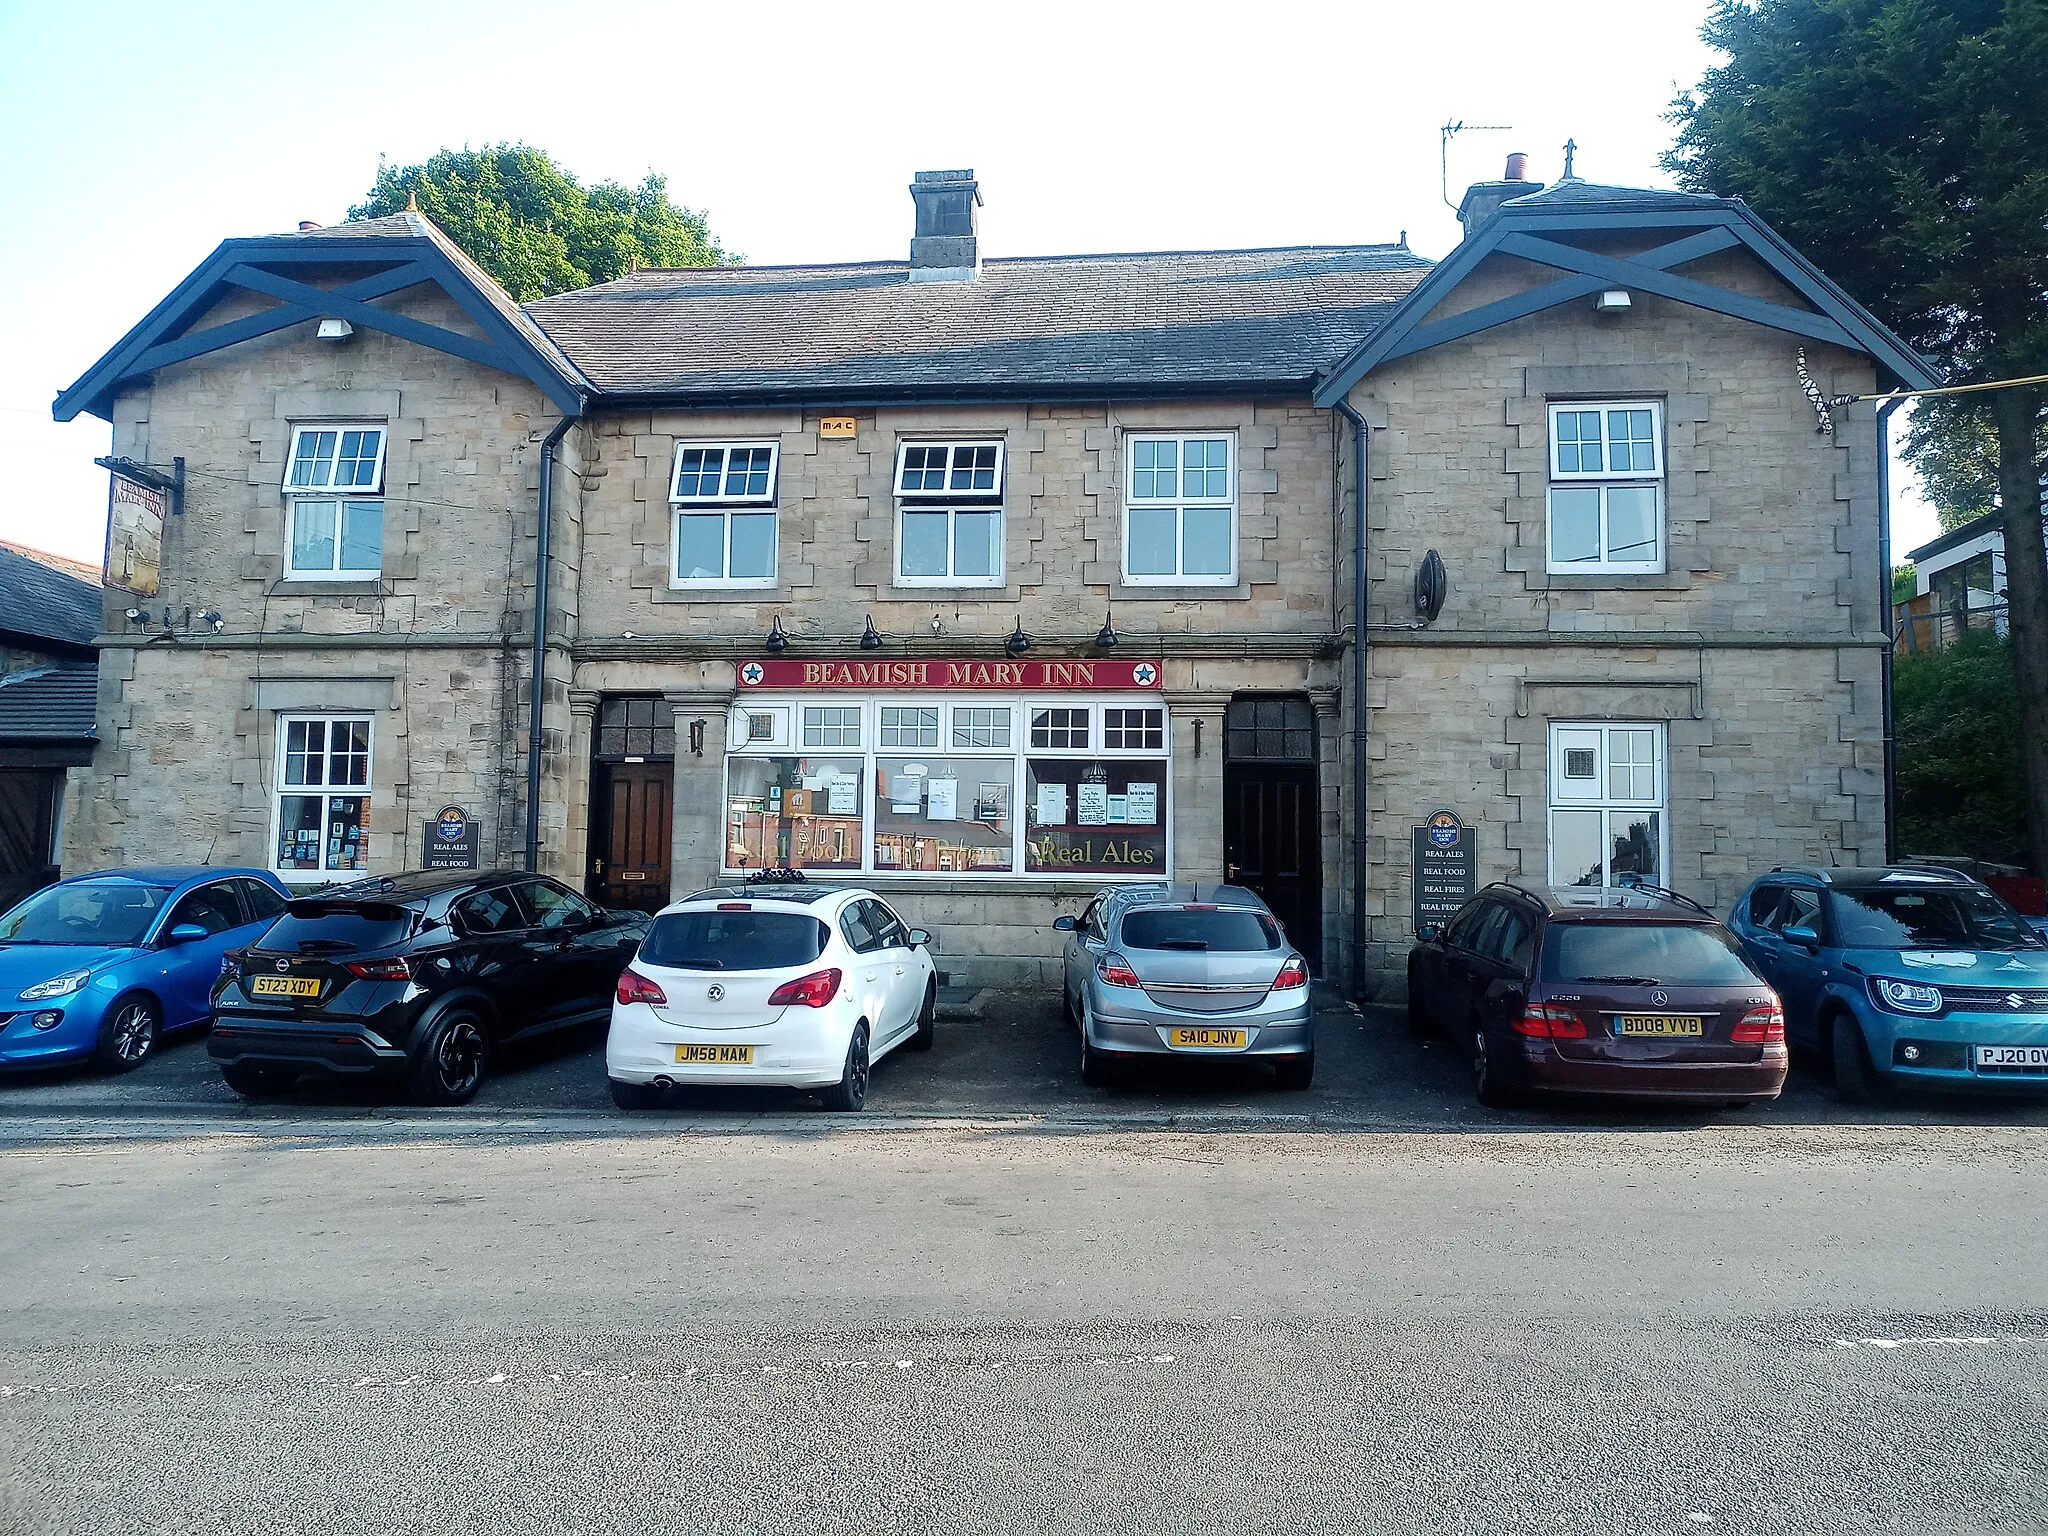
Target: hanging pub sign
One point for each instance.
(449, 840)
(135, 535)
(1446, 869)
(945, 676)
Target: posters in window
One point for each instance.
(1141, 805)
(842, 798)
(1091, 805)
(1052, 805)
(942, 800)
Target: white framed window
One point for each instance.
(323, 794)
(1607, 804)
(949, 514)
(832, 725)
(1606, 504)
(723, 532)
(952, 788)
(334, 507)
(1180, 509)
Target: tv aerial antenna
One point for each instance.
(1450, 131)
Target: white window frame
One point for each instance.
(300, 499)
(326, 791)
(1600, 793)
(1604, 480)
(1015, 760)
(952, 501)
(725, 506)
(1179, 504)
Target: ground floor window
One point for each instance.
(1607, 804)
(323, 794)
(1019, 789)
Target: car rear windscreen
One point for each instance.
(1220, 931)
(315, 927)
(1644, 954)
(733, 941)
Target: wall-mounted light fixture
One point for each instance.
(696, 738)
(1198, 738)
(1019, 642)
(332, 329)
(136, 615)
(870, 638)
(777, 642)
(1106, 637)
(214, 617)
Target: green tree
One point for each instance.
(1907, 141)
(1959, 752)
(1905, 582)
(534, 227)
(1953, 444)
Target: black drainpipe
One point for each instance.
(1358, 769)
(1884, 573)
(540, 638)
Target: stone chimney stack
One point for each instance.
(1482, 197)
(946, 246)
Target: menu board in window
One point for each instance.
(1074, 828)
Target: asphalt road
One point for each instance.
(1740, 1326)
(999, 1054)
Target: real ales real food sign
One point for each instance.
(1446, 868)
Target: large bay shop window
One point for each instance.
(954, 785)
(323, 795)
(1607, 804)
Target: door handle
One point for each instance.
(1230, 871)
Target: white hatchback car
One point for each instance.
(770, 985)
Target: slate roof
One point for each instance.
(49, 704)
(1078, 326)
(40, 603)
(1576, 193)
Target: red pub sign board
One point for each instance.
(945, 676)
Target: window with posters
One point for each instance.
(972, 782)
(323, 795)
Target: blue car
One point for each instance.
(1900, 977)
(100, 967)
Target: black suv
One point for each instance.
(421, 975)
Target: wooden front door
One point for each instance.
(1272, 840)
(637, 834)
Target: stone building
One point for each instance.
(988, 581)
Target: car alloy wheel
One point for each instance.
(927, 1019)
(1486, 1084)
(128, 1037)
(459, 1058)
(851, 1091)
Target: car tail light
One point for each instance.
(231, 963)
(393, 969)
(1292, 975)
(1548, 1021)
(1116, 971)
(635, 988)
(735, 906)
(1762, 1025)
(812, 991)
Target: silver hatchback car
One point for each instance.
(1186, 970)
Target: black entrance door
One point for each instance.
(1272, 841)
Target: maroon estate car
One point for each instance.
(1574, 989)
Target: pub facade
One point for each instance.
(987, 583)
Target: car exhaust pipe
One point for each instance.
(664, 1082)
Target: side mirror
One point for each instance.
(185, 933)
(1801, 933)
(920, 938)
(1065, 924)
(1428, 933)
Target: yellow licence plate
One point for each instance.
(1206, 1039)
(715, 1055)
(285, 986)
(1662, 1025)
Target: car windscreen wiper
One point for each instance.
(694, 963)
(323, 946)
(1194, 944)
(1625, 981)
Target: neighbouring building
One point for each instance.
(986, 581)
(1959, 586)
(49, 616)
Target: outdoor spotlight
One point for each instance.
(1106, 637)
(937, 627)
(1019, 642)
(870, 640)
(214, 617)
(136, 616)
(777, 642)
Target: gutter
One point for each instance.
(1358, 672)
(541, 562)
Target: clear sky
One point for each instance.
(147, 133)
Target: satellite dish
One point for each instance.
(1432, 585)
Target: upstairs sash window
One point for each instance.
(1180, 509)
(1606, 487)
(334, 509)
(723, 496)
(949, 514)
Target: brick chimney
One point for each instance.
(1482, 197)
(945, 247)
